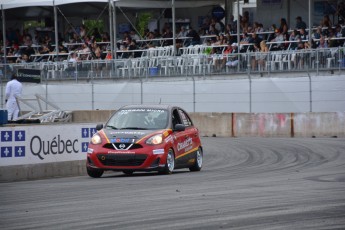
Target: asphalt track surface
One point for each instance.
(246, 183)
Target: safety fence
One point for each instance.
(192, 61)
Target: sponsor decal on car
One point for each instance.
(169, 139)
(158, 151)
(121, 152)
(187, 144)
(122, 140)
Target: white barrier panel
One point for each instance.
(22, 145)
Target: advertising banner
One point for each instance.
(29, 75)
(36, 144)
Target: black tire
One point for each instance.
(198, 161)
(170, 163)
(128, 172)
(95, 173)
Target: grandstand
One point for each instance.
(229, 53)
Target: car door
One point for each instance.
(191, 132)
(184, 142)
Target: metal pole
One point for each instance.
(238, 34)
(4, 44)
(309, 21)
(114, 28)
(194, 96)
(310, 95)
(173, 26)
(114, 54)
(56, 31)
(111, 28)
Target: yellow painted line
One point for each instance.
(186, 153)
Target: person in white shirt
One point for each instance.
(13, 90)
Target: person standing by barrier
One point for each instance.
(13, 90)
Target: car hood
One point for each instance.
(127, 135)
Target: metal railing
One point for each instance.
(189, 63)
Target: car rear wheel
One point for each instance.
(170, 163)
(198, 161)
(128, 172)
(95, 173)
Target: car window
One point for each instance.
(139, 119)
(185, 119)
(175, 118)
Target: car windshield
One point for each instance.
(139, 119)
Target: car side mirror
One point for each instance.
(179, 127)
(99, 127)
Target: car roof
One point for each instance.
(148, 106)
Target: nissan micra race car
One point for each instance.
(145, 138)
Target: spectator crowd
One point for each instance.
(82, 44)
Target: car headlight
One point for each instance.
(96, 139)
(155, 140)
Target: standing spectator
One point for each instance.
(233, 24)
(326, 22)
(300, 24)
(13, 90)
(284, 28)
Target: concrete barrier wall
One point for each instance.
(250, 124)
(209, 124)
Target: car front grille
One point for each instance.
(122, 159)
(124, 146)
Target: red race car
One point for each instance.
(145, 138)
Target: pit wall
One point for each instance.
(58, 150)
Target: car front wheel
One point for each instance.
(198, 161)
(95, 173)
(170, 163)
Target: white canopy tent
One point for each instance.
(9, 4)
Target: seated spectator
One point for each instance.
(278, 41)
(215, 26)
(294, 37)
(134, 35)
(152, 43)
(23, 59)
(182, 33)
(233, 60)
(168, 35)
(262, 57)
(194, 35)
(28, 50)
(317, 33)
(255, 40)
(213, 30)
(16, 51)
(322, 43)
(271, 36)
(303, 34)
